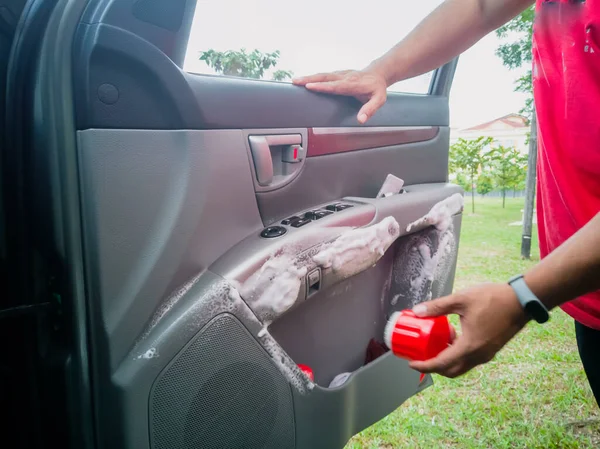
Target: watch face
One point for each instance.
(537, 311)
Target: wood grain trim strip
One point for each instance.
(322, 141)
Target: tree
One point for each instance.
(484, 184)
(463, 181)
(518, 52)
(470, 156)
(514, 55)
(521, 161)
(243, 64)
(506, 166)
(282, 75)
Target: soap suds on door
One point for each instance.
(423, 261)
(274, 287)
(440, 215)
(358, 249)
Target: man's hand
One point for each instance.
(490, 315)
(367, 86)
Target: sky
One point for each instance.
(327, 35)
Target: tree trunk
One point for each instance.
(472, 193)
(503, 198)
(530, 190)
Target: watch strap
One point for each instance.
(527, 299)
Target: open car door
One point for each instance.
(209, 234)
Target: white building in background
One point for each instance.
(508, 131)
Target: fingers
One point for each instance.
(452, 334)
(317, 78)
(441, 306)
(371, 106)
(338, 87)
(365, 87)
(451, 362)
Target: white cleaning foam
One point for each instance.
(358, 249)
(151, 353)
(423, 265)
(286, 365)
(274, 288)
(168, 304)
(441, 214)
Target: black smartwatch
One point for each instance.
(530, 303)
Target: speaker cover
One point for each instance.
(222, 391)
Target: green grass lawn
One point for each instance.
(534, 394)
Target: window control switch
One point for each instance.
(290, 220)
(301, 222)
(338, 207)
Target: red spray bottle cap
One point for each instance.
(308, 371)
(414, 338)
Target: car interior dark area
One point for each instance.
(176, 249)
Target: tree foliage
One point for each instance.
(243, 64)
(508, 168)
(485, 184)
(517, 52)
(470, 156)
(463, 180)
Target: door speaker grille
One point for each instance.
(222, 392)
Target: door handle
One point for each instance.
(265, 148)
(263, 161)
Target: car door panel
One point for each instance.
(182, 353)
(332, 176)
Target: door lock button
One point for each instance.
(273, 231)
(293, 154)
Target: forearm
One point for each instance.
(448, 31)
(572, 270)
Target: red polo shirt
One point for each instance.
(566, 81)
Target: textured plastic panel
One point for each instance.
(248, 255)
(330, 331)
(303, 109)
(222, 391)
(164, 24)
(328, 418)
(164, 14)
(154, 92)
(124, 82)
(125, 391)
(326, 178)
(159, 207)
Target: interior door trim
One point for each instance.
(323, 141)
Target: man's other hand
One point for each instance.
(367, 86)
(490, 315)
